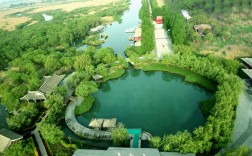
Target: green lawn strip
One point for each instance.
(60, 148)
(189, 76)
(114, 73)
(33, 146)
(85, 106)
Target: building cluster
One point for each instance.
(247, 69)
(49, 83)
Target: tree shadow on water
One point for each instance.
(135, 73)
(95, 109)
(105, 87)
(168, 77)
(149, 73)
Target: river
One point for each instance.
(118, 39)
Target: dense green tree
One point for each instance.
(51, 133)
(85, 88)
(155, 142)
(23, 118)
(119, 136)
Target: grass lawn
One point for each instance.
(114, 72)
(61, 149)
(85, 106)
(189, 76)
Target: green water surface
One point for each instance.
(157, 102)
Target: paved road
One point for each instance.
(243, 122)
(39, 142)
(242, 133)
(162, 41)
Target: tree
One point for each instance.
(102, 70)
(119, 136)
(82, 62)
(51, 133)
(53, 99)
(85, 88)
(155, 142)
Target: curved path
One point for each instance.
(79, 129)
(242, 133)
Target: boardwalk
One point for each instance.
(79, 129)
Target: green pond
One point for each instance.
(157, 102)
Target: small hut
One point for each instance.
(202, 27)
(109, 123)
(96, 123)
(97, 77)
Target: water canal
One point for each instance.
(118, 39)
(158, 102)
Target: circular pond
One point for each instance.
(157, 102)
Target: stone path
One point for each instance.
(40, 143)
(79, 129)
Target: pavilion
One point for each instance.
(247, 62)
(34, 96)
(97, 77)
(109, 123)
(96, 123)
(50, 82)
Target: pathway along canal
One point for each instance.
(117, 38)
(158, 102)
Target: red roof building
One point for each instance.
(159, 20)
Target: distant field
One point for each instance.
(74, 5)
(9, 22)
(160, 3)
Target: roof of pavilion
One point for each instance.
(248, 72)
(6, 137)
(50, 82)
(97, 77)
(247, 61)
(33, 95)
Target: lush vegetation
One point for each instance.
(93, 40)
(120, 136)
(85, 106)
(27, 56)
